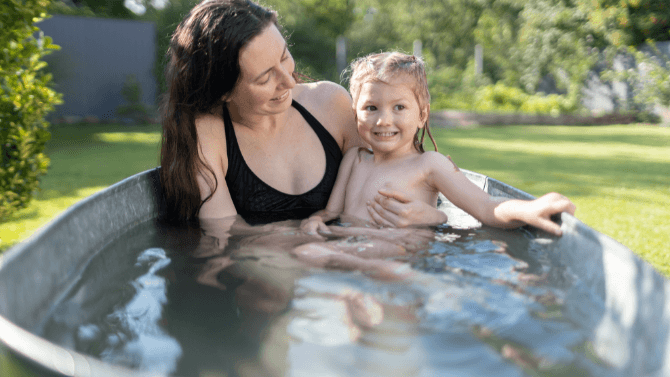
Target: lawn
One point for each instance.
(85, 158)
(618, 176)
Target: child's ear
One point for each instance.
(425, 114)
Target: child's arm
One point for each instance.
(316, 222)
(450, 181)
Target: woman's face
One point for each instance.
(266, 80)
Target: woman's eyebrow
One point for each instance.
(270, 69)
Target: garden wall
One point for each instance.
(95, 57)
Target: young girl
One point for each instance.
(391, 105)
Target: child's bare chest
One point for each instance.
(366, 180)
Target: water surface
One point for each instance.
(444, 301)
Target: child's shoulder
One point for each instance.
(359, 152)
(438, 160)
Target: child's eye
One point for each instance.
(399, 107)
(370, 108)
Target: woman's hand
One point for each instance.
(538, 212)
(393, 208)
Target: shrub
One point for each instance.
(446, 89)
(25, 99)
(134, 109)
(501, 98)
(453, 88)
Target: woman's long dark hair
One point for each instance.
(202, 67)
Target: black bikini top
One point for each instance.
(256, 201)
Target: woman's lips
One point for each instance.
(282, 97)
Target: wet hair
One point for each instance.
(385, 66)
(202, 67)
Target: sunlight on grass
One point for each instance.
(128, 137)
(591, 150)
(84, 160)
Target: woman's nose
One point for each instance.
(287, 82)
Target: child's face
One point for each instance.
(389, 115)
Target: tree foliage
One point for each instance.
(629, 22)
(25, 99)
(553, 41)
(534, 45)
(649, 80)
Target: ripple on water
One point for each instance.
(475, 302)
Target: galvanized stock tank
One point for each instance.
(631, 325)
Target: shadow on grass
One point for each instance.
(26, 214)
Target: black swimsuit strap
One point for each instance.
(256, 201)
(323, 134)
(330, 146)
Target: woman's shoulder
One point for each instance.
(330, 104)
(211, 134)
(209, 125)
(322, 95)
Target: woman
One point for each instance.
(241, 133)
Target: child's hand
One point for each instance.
(539, 211)
(313, 225)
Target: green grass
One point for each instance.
(618, 176)
(85, 158)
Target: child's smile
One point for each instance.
(388, 117)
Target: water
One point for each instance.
(241, 301)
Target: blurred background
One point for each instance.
(537, 57)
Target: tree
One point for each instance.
(554, 40)
(25, 99)
(166, 21)
(107, 8)
(629, 22)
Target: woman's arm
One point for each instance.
(211, 146)
(501, 213)
(394, 208)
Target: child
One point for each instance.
(391, 103)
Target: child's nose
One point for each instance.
(384, 118)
